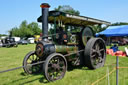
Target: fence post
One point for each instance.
(117, 65)
(108, 75)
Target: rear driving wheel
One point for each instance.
(55, 67)
(95, 53)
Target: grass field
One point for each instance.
(13, 57)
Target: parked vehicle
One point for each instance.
(1, 43)
(23, 42)
(9, 42)
(31, 40)
(16, 39)
(36, 38)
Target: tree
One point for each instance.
(98, 28)
(15, 32)
(34, 27)
(67, 9)
(25, 30)
(119, 23)
(3, 35)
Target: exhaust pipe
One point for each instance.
(45, 12)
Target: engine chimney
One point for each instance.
(45, 10)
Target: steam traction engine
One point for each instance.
(71, 42)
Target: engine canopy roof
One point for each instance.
(70, 19)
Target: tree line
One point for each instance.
(25, 30)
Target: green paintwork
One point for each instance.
(66, 49)
(54, 26)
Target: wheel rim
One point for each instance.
(32, 58)
(98, 53)
(56, 68)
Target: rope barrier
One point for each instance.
(22, 67)
(103, 77)
(122, 67)
(36, 63)
(107, 75)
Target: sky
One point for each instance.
(13, 12)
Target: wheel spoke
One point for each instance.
(95, 62)
(52, 76)
(102, 50)
(93, 50)
(32, 57)
(93, 56)
(97, 46)
(62, 73)
(58, 61)
(100, 59)
(51, 61)
(62, 68)
(29, 62)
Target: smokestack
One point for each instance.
(45, 10)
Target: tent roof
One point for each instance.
(115, 31)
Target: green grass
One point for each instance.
(13, 57)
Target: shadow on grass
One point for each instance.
(26, 79)
(71, 68)
(25, 74)
(17, 80)
(42, 79)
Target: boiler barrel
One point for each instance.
(65, 49)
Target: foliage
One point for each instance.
(119, 23)
(34, 28)
(98, 28)
(25, 30)
(67, 9)
(3, 35)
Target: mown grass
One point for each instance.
(13, 57)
